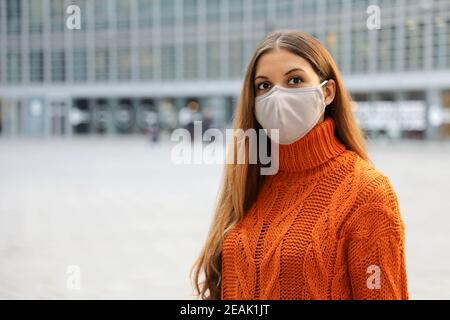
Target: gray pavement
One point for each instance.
(133, 221)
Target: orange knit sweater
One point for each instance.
(326, 226)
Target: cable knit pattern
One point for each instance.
(326, 226)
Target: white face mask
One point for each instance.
(294, 111)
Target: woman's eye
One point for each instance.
(261, 86)
(297, 80)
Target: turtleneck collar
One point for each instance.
(315, 148)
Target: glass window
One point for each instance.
(259, 10)
(213, 57)
(213, 11)
(236, 10)
(359, 10)
(167, 12)
(35, 12)
(439, 43)
(79, 65)
(332, 43)
(146, 63)
(168, 62)
(360, 51)
(448, 44)
(333, 13)
(101, 64)
(308, 14)
(123, 14)
(145, 13)
(101, 14)
(236, 55)
(414, 45)
(284, 11)
(13, 16)
(14, 67)
(36, 66)
(57, 15)
(386, 48)
(190, 11)
(309, 7)
(58, 66)
(124, 59)
(83, 7)
(190, 61)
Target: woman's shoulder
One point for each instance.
(367, 182)
(363, 172)
(376, 199)
(374, 184)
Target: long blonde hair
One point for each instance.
(241, 182)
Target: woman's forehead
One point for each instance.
(277, 61)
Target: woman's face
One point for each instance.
(283, 68)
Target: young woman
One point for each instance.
(327, 225)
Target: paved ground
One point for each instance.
(133, 222)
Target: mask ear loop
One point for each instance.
(325, 106)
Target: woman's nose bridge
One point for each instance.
(278, 82)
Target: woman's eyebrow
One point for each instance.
(292, 70)
(264, 77)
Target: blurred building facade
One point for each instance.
(132, 58)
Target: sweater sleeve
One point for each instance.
(376, 247)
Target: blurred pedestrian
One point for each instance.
(188, 115)
(152, 126)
